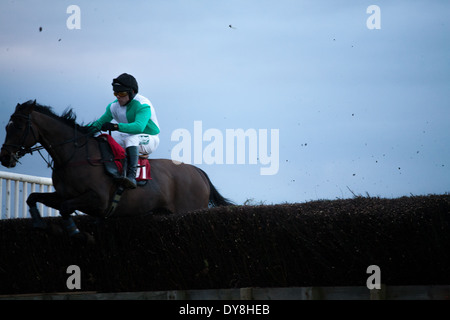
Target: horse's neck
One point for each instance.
(54, 136)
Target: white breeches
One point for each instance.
(147, 143)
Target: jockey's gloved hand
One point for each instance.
(110, 126)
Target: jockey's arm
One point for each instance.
(106, 117)
(140, 122)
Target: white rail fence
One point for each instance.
(14, 191)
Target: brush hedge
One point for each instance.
(318, 243)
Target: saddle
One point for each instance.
(111, 151)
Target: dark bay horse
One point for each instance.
(80, 180)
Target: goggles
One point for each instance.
(121, 94)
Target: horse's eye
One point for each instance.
(14, 125)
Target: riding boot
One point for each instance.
(132, 164)
(111, 168)
(110, 165)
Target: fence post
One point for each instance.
(12, 208)
(24, 199)
(8, 198)
(16, 198)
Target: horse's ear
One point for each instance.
(32, 105)
(26, 107)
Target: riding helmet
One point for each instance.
(126, 83)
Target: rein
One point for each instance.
(29, 128)
(22, 150)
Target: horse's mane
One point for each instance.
(68, 117)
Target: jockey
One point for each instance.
(135, 128)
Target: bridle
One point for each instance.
(22, 151)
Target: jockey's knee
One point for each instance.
(146, 143)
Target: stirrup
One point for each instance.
(128, 184)
(124, 182)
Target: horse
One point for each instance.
(80, 180)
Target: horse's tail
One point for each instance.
(215, 198)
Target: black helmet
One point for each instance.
(125, 82)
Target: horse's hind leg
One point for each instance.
(49, 199)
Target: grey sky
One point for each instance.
(358, 109)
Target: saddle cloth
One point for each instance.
(119, 155)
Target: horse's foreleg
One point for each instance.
(82, 202)
(49, 199)
(70, 226)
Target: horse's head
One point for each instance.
(20, 135)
